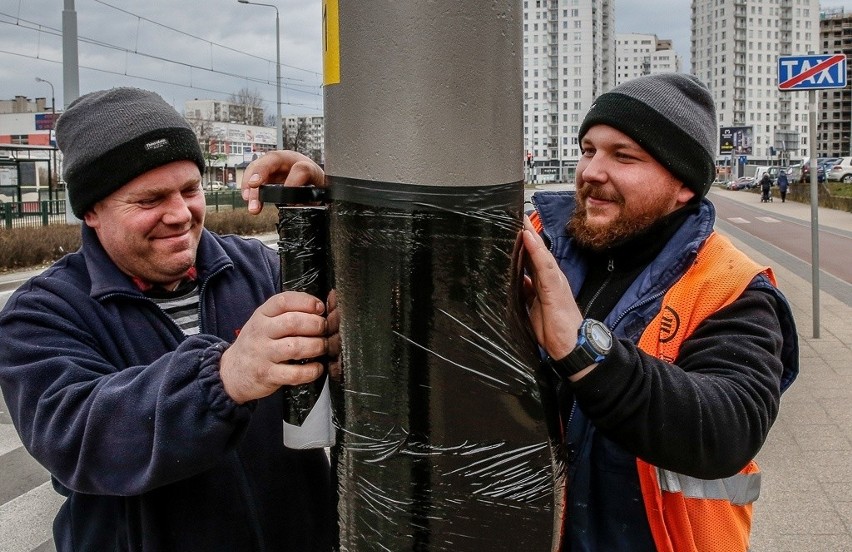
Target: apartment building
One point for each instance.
(232, 135)
(735, 48)
(835, 105)
(569, 59)
(305, 134)
(643, 54)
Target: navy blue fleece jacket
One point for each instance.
(131, 419)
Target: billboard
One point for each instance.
(45, 121)
(736, 140)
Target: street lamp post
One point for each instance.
(279, 131)
(50, 178)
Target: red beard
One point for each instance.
(629, 222)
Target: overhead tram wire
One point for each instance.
(149, 79)
(306, 89)
(40, 28)
(224, 47)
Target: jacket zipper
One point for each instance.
(610, 267)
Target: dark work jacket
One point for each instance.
(705, 416)
(131, 419)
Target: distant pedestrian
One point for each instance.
(782, 185)
(765, 187)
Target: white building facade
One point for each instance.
(643, 54)
(569, 59)
(230, 145)
(735, 49)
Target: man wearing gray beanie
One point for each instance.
(670, 347)
(144, 371)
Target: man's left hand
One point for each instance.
(278, 167)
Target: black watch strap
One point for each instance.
(594, 342)
(575, 361)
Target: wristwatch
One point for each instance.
(594, 342)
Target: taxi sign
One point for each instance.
(811, 72)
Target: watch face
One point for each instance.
(599, 335)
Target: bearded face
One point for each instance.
(621, 190)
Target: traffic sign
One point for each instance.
(811, 72)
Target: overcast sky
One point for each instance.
(213, 48)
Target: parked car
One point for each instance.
(214, 185)
(805, 175)
(741, 183)
(841, 170)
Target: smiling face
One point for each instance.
(151, 226)
(621, 189)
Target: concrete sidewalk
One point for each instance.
(806, 500)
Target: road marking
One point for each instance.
(738, 220)
(767, 219)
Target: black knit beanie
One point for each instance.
(110, 137)
(673, 118)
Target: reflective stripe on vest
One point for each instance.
(740, 489)
(687, 514)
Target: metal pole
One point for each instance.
(50, 179)
(279, 137)
(814, 169)
(70, 76)
(70, 67)
(444, 441)
(279, 131)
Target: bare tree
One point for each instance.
(300, 140)
(208, 137)
(250, 107)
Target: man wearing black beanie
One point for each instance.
(144, 370)
(670, 347)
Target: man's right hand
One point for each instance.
(288, 328)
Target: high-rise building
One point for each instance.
(835, 106)
(735, 49)
(569, 59)
(643, 54)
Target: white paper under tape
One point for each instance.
(317, 431)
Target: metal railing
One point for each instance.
(32, 214)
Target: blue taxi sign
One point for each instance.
(811, 72)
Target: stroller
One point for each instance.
(765, 187)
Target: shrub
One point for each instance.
(29, 248)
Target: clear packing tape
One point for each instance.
(446, 429)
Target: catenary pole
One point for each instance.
(70, 76)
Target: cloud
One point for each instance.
(182, 50)
(212, 49)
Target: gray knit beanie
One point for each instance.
(110, 137)
(673, 118)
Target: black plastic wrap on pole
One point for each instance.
(302, 248)
(447, 435)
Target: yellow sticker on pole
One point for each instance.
(330, 42)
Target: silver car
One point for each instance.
(841, 170)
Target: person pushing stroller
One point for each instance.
(765, 186)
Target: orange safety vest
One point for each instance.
(688, 514)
